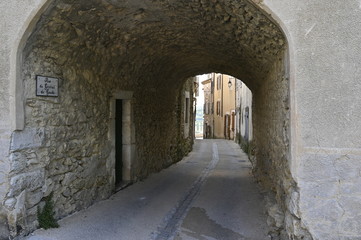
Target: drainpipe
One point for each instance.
(235, 110)
(222, 96)
(221, 107)
(212, 92)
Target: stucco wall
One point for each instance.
(243, 101)
(325, 55)
(15, 18)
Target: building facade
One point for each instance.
(208, 107)
(244, 126)
(224, 104)
(227, 108)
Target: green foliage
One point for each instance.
(238, 138)
(46, 215)
(247, 146)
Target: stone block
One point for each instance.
(320, 190)
(68, 178)
(4, 229)
(3, 177)
(67, 192)
(18, 162)
(17, 216)
(32, 218)
(292, 204)
(351, 226)
(33, 198)
(349, 237)
(275, 216)
(351, 188)
(28, 138)
(322, 215)
(351, 205)
(29, 181)
(4, 184)
(316, 167)
(48, 186)
(10, 203)
(348, 167)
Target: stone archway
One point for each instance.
(97, 48)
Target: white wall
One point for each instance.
(15, 18)
(243, 100)
(325, 97)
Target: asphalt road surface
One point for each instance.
(209, 195)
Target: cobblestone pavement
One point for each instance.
(208, 195)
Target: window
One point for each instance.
(232, 121)
(219, 82)
(218, 108)
(206, 108)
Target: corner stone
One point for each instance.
(28, 138)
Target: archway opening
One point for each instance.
(150, 48)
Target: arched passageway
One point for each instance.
(142, 52)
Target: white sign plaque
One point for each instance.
(46, 86)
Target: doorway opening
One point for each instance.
(123, 139)
(246, 119)
(118, 141)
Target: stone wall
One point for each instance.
(65, 147)
(97, 48)
(271, 110)
(160, 128)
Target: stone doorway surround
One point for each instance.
(128, 137)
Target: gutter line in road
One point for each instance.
(175, 217)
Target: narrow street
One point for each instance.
(208, 195)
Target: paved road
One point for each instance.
(208, 195)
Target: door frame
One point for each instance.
(128, 137)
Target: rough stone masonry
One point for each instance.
(298, 57)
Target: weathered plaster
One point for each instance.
(15, 19)
(324, 55)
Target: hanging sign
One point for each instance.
(47, 86)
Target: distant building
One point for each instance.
(244, 127)
(208, 108)
(199, 122)
(227, 108)
(224, 104)
(198, 110)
